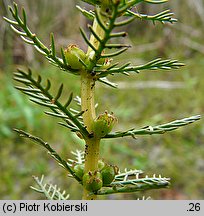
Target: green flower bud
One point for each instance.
(103, 124)
(108, 174)
(73, 55)
(101, 164)
(92, 181)
(79, 170)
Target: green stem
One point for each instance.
(92, 152)
(92, 144)
(87, 99)
(92, 149)
(100, 33)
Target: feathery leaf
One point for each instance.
(19, 26)
(159, 129)
(51, 192)
(41, 95)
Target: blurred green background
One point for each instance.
(148, 98)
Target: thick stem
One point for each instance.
(87, 99)
(92, 144)
(92, 149)
(100, 32)
(92, 154)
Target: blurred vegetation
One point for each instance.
(137, 102)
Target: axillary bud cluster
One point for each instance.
(75, 56)
(95, 180)
(103, 124)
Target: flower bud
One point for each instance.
(101, 164)
(108, 174)
(103, 124)
(92, 181)
(79, 170)
(73, 55)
